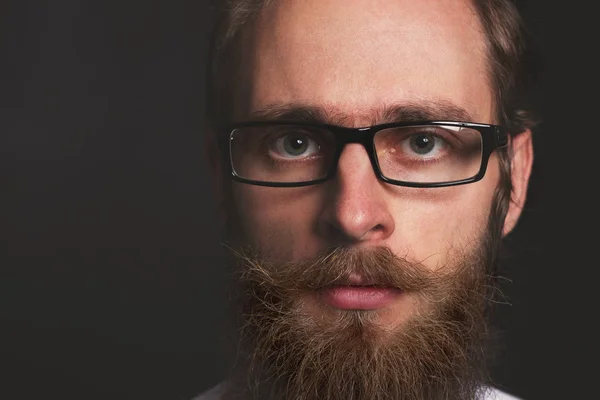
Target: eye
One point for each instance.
(294, 145)
(424, 144)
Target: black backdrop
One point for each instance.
(110, 284)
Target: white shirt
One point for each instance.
(490, 394)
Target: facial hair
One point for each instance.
(285, 353)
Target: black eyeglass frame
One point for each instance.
(492, 138)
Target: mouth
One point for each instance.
(357, 293)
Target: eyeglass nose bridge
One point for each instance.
(363, 136)
(344, 135)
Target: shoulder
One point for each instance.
(211, 394)
(497, 394)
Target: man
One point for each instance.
(369, 157)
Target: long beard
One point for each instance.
(284, 352)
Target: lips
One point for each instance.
(360, 297)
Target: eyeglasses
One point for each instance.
(415, 154)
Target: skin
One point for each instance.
(352, 59)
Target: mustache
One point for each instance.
(338, 266)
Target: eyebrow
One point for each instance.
(440, 110)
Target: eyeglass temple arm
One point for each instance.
(501, 136)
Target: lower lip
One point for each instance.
(360, 297)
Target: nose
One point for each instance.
(356, 209)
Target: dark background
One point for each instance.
(110, 283)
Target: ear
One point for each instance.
(521, 147)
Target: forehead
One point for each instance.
(360, 55)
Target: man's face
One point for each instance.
(354, 61)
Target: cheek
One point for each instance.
(276, 221)
(433, 226)
(429, 223)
